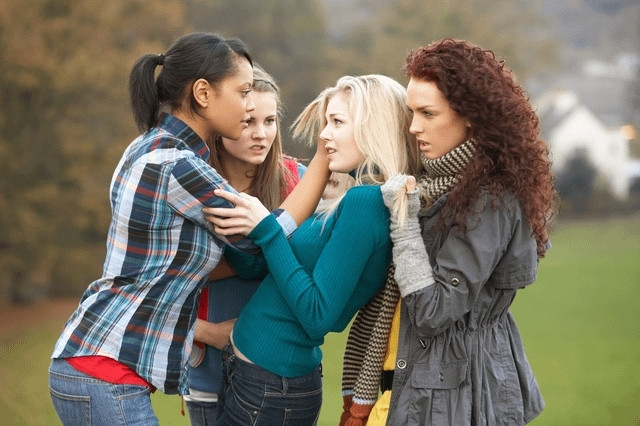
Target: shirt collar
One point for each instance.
(180, 129)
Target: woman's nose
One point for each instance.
(414, 128)
(259, 132)
(250, 105)
(324, 134)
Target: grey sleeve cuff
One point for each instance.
(413, 270)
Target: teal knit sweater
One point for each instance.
(317, 281)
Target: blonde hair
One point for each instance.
(269, 184)
(381, 121)
(337, 186)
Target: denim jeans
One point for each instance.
(202, 413)
(255, 396)
(80, 399)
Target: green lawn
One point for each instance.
(580, 324)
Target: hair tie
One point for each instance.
(160, 59)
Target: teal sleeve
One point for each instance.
(360, 231)
(249, 266)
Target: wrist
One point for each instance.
(410, 230)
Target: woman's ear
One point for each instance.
(201, 92)
(469, 130)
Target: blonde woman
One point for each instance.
(329, 268)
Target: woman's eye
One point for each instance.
(270, 121)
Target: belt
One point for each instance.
(386, 380)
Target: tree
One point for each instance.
(63, 124)
(514, 30)
(287, 37)
(634, 103)
(65, 118)
(575, 183)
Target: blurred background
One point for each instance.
(65, 117)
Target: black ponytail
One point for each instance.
(143, 92)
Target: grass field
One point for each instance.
(580, 324)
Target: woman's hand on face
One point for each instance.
(241, 219)
(321, 148)
(321, 154)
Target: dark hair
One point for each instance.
(193, 56)
(270, 182)
(510, 154)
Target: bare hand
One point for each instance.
(241, 219)
(321, 150)
(214, 334)
(411, 183)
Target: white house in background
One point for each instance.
(570, 128)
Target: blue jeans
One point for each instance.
(255, 396)
(202, 413)
(80, 399)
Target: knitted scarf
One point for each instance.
(365, 351)
(367, 341)
(442, 173)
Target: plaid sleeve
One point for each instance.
(190, 189)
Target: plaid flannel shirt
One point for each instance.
(160, 250)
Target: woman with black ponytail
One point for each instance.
(133, 329)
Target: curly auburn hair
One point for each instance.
(510, 154)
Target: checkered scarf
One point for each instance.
(442, 173)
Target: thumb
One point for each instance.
(411, 183)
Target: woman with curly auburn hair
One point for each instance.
(476, 227)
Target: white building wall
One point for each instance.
(580, 130)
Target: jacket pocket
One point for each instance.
(443, 375)
(440, 394)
